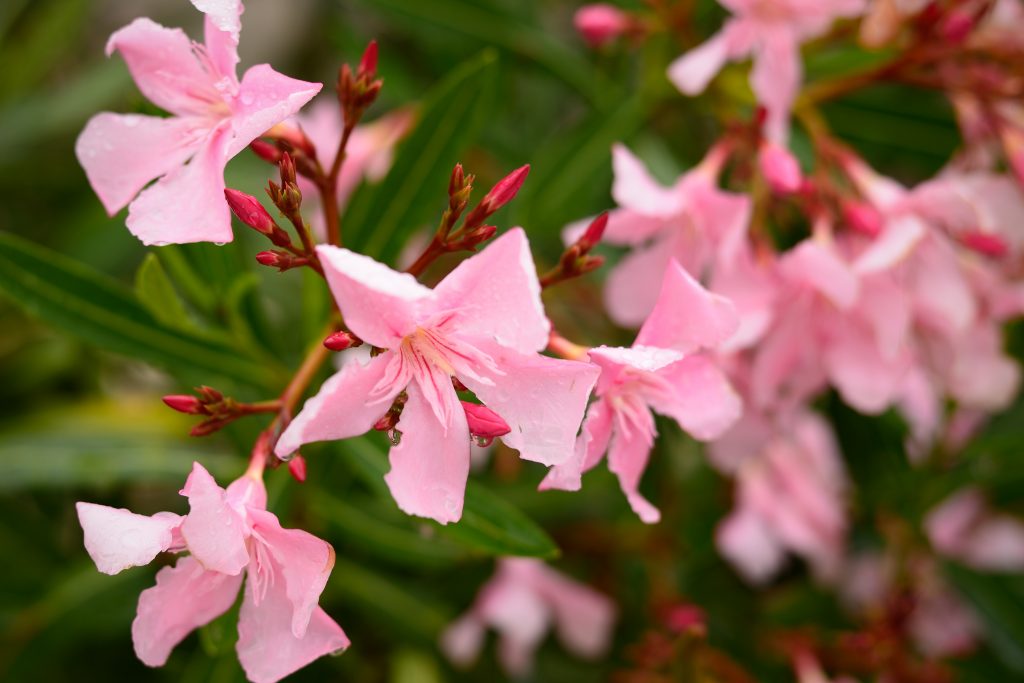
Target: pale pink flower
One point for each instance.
(693, 222)
(790, 484)
(663, 371)
(229, 534)
(771, 31)
(214, 117)
(964, 528)
(522, 601)
(484, 324)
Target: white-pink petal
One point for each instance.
(214, 531)
(265, 98)
(116, 538)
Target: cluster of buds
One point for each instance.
(576, 259)
(356, 92)
(220, 410)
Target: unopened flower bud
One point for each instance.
(281, 260)
(500, 195)
(985, 243)
(287, 168)
(484, 422)
(600, 23)
(862, 217)
(185, 403)
(368, 64)
(341, 340)
(207, 427)
(266, 151)
(209, 394)
(297, 468)
(249, 210)
(457, 180)
(780, 168)
(593, 234)
(957, 25)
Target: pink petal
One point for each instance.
(222, 50)
(342, 408)
(122, 153)
(379, 305)
(584, 618)
(430, 465)
(896, 241)
(702, 400)
(686, 316)
(692, 72)
(612, 360)
(116, 538)
(625, 227)
(542, 399)
(267, 646)
(304, 560)
(225, 15)
(635, 189)
(184, 598)
(591, 444)
(627, 458)
(265, 98)
(867, 380)
(496, 293)
(722, 217)
(510, 604)
(213, 530)
(165, 67)
(776, 78)
(818, 267)
(462, 641)
(187, 204)
(746, 542)
(632, 288)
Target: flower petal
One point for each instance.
(430, 466)
(213, 530)
(627, 458)
(635, 189)
(121, 153)
(583, 617)
(775, 79)
(116, 538)
(749, 545)
(265, 98)
(686, 316)
(496, 293)
(692, 72)
(818, 267)
(305, 562)
(379, 305)
(224, 15)
(462, 641)
(184, 598)
(267, 646)
(187, 204)
(632, 287)
(702, 400)
(164, 65)
(542, 399)
(341, 409)
(591, 444)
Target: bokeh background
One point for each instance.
(81, 417)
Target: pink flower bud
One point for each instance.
(249, 210)
(600, 23)
(368, 64)
(269, 258)
(297, 468)
(185, 403)
(266, 151)
(862, 217)
(500, 195)
(957, 26)
(484, 422)
(985, 243)
(339, 341)
(593, 234)
(780, 169)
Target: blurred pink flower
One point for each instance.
(601, 23)
(484, 324)
(965, 529)
(522, 601)
(280, 627)
(771, 31)
(214, 117)
(663, 371)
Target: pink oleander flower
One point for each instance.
(228, 534)
(771, 31)
(790, 485)
(663, 371)
(483, 324)
(693, 222)
(214, 117)
(521, 602)
(601, 23)
(964, 528)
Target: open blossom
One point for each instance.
(965, 529)
(693, 222)
(483, 324)
(789, 497)
(521, 602)
(771, 31)
(214, 117)
(229, 534)
(663, 371)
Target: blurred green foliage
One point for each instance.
(94, 330)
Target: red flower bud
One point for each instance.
(985, 243)
(862, 217)
(287, 169)
(600, 24)
(184, 403)
(339, 341)
(780, 168)
(368, 64)
(249, 210)
(593, 234)
(297, 468)
(266, 151)
(505, 190)
(957, 26)
(484, 422)
(281, 260)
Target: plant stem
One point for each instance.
(328, 188)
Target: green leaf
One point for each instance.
(156, 292)
(89, 305)
(999, 601)
(381, 217)
(489, 523)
